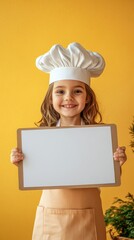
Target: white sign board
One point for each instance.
(60, 157)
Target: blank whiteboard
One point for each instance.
(68, 157)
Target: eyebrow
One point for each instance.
(77, 86)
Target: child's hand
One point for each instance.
(16, 156)
(120, 155)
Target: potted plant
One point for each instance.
(119, 218)
(131, 131)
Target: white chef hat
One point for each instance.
(71, 63)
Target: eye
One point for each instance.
(59, 92)
(77, 91)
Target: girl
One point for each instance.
(70, 214)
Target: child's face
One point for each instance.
(69, 98)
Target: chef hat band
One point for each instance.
(69, 73)
(71, 63)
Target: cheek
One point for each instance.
(82, 102)
(53, 99)
(55, 102)
(54, 105)
(87, 99)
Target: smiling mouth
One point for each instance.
(68, 106)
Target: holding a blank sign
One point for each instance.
(72, 153)
(68, 157)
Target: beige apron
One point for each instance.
(69, 214)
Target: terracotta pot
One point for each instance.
(124, 238)
(120, 238)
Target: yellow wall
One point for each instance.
(29, 28)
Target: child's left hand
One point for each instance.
(120, 155)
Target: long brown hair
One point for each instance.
(90, 114)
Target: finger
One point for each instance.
(15, 160)
(120, 152)
(122, 161)
(119, 159)
(120, 156)
(116, 155)
(16, 157)
(14, 150)
(17, 154)
(121, 149)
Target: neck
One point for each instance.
(70, 121)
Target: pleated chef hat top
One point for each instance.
(71, 63)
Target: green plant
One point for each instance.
(131, 131)
(119, 218)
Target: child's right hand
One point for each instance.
(16, 156)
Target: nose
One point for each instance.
(68, 96)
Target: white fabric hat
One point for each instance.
(71, 63)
